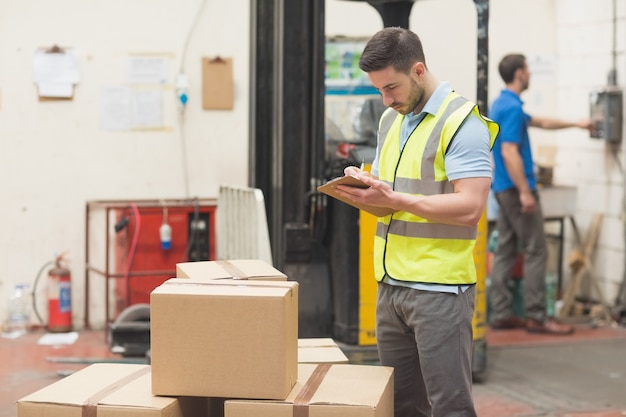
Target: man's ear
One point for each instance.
(418, 69)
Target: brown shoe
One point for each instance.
(548, 326)
(511, 322)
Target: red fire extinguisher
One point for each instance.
(59, 298)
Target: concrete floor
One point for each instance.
(583, 375)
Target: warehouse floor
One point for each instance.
(583, 375)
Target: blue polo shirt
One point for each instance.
(507, 110)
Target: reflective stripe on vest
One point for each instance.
(409, 247)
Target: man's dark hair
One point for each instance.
(509, 64)
(392, 46)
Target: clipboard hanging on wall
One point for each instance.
(217, 84)
(56, 72)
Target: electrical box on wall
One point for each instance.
(606, 108)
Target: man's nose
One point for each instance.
(387, 100)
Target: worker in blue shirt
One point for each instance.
(520, 219)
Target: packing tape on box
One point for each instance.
(232, 269)
(301, 402)
(90, 408)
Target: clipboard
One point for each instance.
(330, 189)
(217, 84)
(55, 50)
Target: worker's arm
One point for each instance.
(464, 207)
(515, 168)
(552, 124)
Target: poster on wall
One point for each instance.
(342, 73)
(350, 96)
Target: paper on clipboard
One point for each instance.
(330, 188)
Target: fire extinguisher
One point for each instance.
(59, 298)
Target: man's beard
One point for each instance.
(416, 94)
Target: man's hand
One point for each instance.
(352, 171)
(586, 124)
(377, 194)
(528, 202)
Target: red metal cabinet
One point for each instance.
(138, 247)
(131, 233)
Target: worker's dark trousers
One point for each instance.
(518, 231)
(427, 338)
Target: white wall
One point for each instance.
(585, 42)
(54, 156)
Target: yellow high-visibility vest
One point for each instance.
(408, 247)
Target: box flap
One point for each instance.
(252, 269)
(368, 386)
(102, 383)
(321, 354)
(320, 350)
(357, 385)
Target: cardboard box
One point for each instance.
(320, 350)
(107, 389)
(233, 338)
(327, 390)
(252, 269)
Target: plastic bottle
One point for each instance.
(19, 310)
(165, 231)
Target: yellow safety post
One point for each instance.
(479, 321)
(367, 283)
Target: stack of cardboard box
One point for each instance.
(224, 343)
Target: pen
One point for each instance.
(362, 164)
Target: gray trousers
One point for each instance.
(517, 231)
(427, 338)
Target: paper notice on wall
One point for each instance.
(115, 108)
(56, 71)
(146, 69)
(146, 108)
(127, 108)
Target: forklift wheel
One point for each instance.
(137, 312)
(130, 333)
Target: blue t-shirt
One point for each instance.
(507, 110)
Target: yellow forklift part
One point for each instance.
(367, 283)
